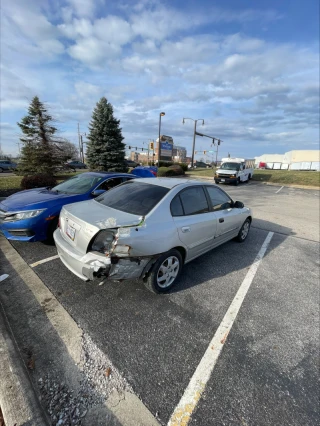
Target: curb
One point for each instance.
(18, 400)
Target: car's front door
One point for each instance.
(195, 223)
(228, 218)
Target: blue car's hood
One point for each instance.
(38, 198)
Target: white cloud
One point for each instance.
(113, 29)
(95, 43)
(84, 8)
(94, 52)
(146, 57)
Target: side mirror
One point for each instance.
(97, 192)
(238, 205)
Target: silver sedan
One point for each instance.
(148, 229)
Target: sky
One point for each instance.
(249, 68)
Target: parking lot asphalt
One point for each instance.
(267, 370)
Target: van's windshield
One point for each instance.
(230, 166)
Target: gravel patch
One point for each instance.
(99, 378)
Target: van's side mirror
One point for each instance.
(238, 205)
(97, 192)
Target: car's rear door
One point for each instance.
(195, 222)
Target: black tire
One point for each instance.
(1, 169)
(216, 182)
(250, 177)
(237, 182)
(242, 236)
(152, 282)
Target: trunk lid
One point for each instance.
(80, 222)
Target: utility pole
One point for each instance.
(219, 141)
(79, 140)
(194, 135)
(82, 154)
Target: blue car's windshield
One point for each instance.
(78, 184)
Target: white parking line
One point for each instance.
(279, 190)
(182, 414)
(32, 265)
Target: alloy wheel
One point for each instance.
(245, 230)
(168, 271)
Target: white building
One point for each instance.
(292, 160)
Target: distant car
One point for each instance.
(200, 164)
(76, 165)
(33, 215)
(6, 165)
(148, 228)
(145, 171)
(131, 163)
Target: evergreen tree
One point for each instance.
(39, 150)
(105, 150)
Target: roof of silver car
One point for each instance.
(168, 182)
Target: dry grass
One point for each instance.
(292, 177)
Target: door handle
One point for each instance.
(185, 229)
(221, 220)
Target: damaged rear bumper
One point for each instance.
(94, 264)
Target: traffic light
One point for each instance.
(151, 146)
(129, 147)
(204, 152)
(218, 141)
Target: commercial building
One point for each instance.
(179, 154)
(165, 151)
(141, 157)
(291, 160)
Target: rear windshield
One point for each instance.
(133, 197)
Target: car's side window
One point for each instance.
(219, 200)
(109, 183)
(176, 206)
(125, 179)
(194, 200)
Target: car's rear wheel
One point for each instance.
(165, 272)
(244, 231)
(1, 170)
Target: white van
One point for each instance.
(234, 170)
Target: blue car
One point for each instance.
(33, 215)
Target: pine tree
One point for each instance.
(105, 150)
(39, 150)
